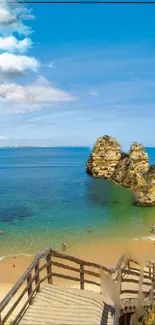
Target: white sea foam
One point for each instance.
(2, 258)
(145, 238)
(22, 254)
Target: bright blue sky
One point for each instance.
(89, 72)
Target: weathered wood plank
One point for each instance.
(29, 283)
(64, 266)
(63, 276)
(136, 274)
(23, 309)
(19, 299)
(37, 277)
(20, 282)
(92, 282)
(82, 276)
(79, 261)
(49, 267)
(97, 275)
(129, 280)
(123, 266)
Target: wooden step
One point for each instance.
(65, 306)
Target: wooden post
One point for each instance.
(82, 276)
(29, 279)
(128, 264)
(152, 286)
(118, 296)
(153, 279)
(49, 268)
(37, 279)
(100, 280)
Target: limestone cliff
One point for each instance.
(130, 170)
(147, 196)
(104, 157)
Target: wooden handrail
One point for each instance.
(79, 261)
(24, 277)
(82, 270)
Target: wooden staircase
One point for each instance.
(37, 299)
(65, 306)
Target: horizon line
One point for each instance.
(79, 2)
(55, 146)
(40, 146)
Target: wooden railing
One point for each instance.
(46, 268)
(30, 282)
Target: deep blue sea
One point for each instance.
(46, 198)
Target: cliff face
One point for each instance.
(147, 197)
(104, 157)
(130, 170)
(130, 166)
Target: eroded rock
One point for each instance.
(104, 157)
(139, 158)
(130, 170)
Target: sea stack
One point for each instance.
(104, 157)
(130, 170)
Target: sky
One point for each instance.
(70, 73)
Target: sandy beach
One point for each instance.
(106, 254)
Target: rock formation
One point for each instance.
(147, 197)
(104, 157)
(130, 170)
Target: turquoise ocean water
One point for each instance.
(47, 198)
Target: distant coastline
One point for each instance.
(11, 147)
(26, 147)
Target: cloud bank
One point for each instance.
(18, 98)
(12, 44)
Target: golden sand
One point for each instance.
(106, 254)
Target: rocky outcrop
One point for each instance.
(151, 175)
(139, 158)
(147, 196)
(104, 157)
(130, 170)
(130, 166)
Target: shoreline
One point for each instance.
(106, 254)
(72, 248)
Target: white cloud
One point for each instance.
(17, 27)
(14, 93)
(6, 17)
(45, 92)
(11, 17)
(42, 81)
(12, 44)
(24, 13)
(93, 93)
(16, 98)
(41, 94)
(11, 64)
(3, 138)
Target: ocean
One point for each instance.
(46, 198)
